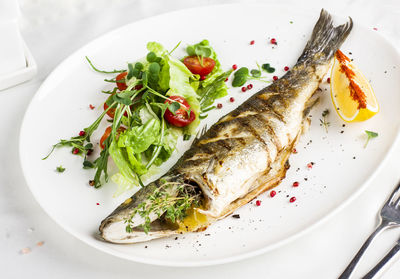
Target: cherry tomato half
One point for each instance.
(181, 117)
(107, 133)
(110, 112)
(121, 85)
(197, 68)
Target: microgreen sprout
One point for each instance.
(370, 135)
(60, 169)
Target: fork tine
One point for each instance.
(395, 191)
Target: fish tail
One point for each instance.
(325, 39)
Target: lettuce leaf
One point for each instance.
(139, 138)
(157, 48)
(168, 145)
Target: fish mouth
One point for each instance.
(163, 208)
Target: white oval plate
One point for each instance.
(342, 166)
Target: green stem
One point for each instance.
(158, 148)
(100, 71)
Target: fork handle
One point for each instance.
(379, 267)
(350, 268)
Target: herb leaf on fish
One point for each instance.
(324, 121)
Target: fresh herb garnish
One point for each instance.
(370, 135)
(266, 67)
(213, 91)
(241, 76)
(139, 135)
(60, 169)
(172, 199)
(324, 121)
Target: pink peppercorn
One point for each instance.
(219, 106)
(292, 199)
(75, 151)
(273, 41)
(296, 184)
(82, 133)
(244, 88)
(252, 42)
(328, 80)
(231, 99)
(250, 86)
(234, 66)
(275, 78)
(258, 202)
(272, 194)
(286, 68)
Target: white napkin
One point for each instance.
(12, 56)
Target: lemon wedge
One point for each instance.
(351, 93)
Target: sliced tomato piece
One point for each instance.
(199, 66)
(183, 116)
(121, 77)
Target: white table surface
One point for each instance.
(55, 29)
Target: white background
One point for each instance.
(53, 30)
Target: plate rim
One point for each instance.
(192, 263)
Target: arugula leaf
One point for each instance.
(215, 90)
(101, 71)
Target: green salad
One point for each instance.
(155, 101)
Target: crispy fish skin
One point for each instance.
(246, 152)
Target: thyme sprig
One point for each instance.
(324, 121)
(173, 199)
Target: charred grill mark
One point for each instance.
(226, 144)
(246, 123)
(274, 138)
(270, 108)
(196, 162)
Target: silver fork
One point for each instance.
(389, 217)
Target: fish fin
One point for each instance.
(325, 39)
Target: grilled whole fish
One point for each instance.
(244, 154)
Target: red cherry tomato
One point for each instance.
(181, 117)
(110, 112)
(107, 133)
(197, 68)
(121, 85)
